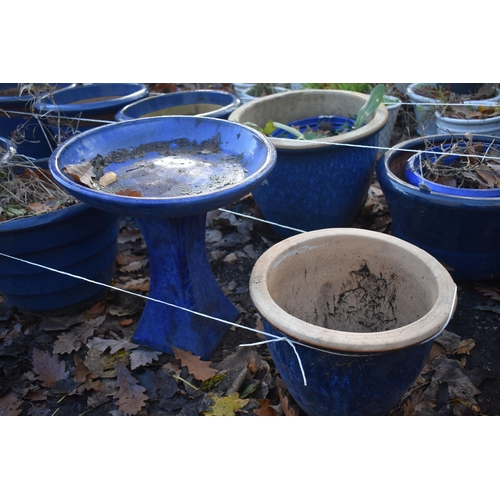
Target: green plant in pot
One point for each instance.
(316, 183)
(41, 224)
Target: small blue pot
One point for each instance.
(413, 175)
(79, 240)
(358, 310)
(208, 103)
(16, 112)
(97, 101)
(315, 184)
(457, 230)
(337, 123)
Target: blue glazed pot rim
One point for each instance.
(27, 223)
(417, 145)
(115, 95)
(24, 98)
(228, 103)
(413, 175)
(258, 156)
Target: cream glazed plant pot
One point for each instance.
(356, 311)
(317, 183)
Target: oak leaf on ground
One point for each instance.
(141, 357)
(72, 341)
(130, 397)
(48, 367)
(200, 370)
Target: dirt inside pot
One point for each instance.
(450, 93)
(350, 293)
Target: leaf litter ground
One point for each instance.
(88, 364)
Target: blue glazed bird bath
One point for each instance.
(457, 230)
(315, 184)
(361, 308)
(209, 103)
(16, 113)
(182, 167)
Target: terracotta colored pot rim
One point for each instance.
(419, 331)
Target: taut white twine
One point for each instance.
(275, 337)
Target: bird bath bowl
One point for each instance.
(170, 171)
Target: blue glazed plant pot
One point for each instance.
(425, 107)
(210, 103)
(413, 171)
(75, 110)
(315, 184)
(361, 309)
(456, 230)
(79, 239)
(17, 121)
(179, 168)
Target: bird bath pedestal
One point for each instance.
(170, 171)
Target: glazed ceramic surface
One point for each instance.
(315, 184)
(211, 103)
(178, 167)
(67, 109)
(362, 309)
(458, 231)
(80, 240)
(16, 113)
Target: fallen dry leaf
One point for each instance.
(142, 357)
(225, 406)
(48, 367)
(129, 397)
(266, 410)
(492, 293)
(285, 404)
(114, 345)
(9, 405)
(141, 284)
(200, 370)
(129, 192)
(82, 173)
(72, 341)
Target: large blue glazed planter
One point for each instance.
(16, 113)
(315, 184)
(457, 230)
(178, 168)
(209, 103)
(356, 311)
(79, 239)
(75, 110)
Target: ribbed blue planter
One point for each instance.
(359, 311)
(181, 167)
(80, 240)
(457, 230)
(209, 103)
(73, 110)
(16, 113)
(315, 184)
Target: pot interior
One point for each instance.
(353, 284)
